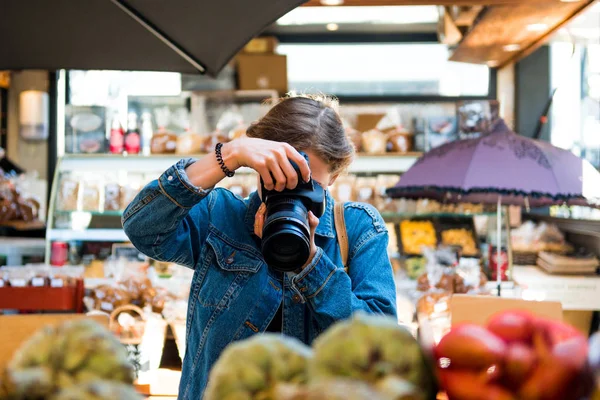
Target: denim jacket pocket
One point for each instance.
(227, 266)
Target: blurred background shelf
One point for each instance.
(371, 163)
(94, 235)
(392, 217)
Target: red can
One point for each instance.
(502, 261)
(59, 254)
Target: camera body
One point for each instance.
(286, 232)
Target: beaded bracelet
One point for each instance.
(226, 170)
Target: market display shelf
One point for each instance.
(392, 217)
(23, 225)
(364, 163)
(68, 298)
(93, 213)
(92, 235)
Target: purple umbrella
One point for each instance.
(501, 168)
(520, 170)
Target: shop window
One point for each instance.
(383, 70)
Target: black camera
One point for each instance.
(286, 232)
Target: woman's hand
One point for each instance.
(313, 222)
(270, 159)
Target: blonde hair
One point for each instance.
(308, 122)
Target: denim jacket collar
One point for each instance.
(324, 229)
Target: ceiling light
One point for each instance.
(512, 47)
(332, 2)
(394, 15)
(537, 27)
(332, 27)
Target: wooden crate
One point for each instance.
(68, 298)
(16, 329)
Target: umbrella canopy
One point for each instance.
(522, 171)
(185, 36)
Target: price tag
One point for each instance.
(18, 283)
(38, 282)
(56, 282)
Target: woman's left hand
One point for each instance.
(313, 222)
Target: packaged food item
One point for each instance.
(356, 139)
(190, 143)
(40, 276)
(365, 190)
(426, 206)
(17, 276)
(67, 195)
(8, 210)
(434, 302)
(463, 238)
(163, 143)
(382, 201)
(128, 193)
(211, 142)
(65, 276)
(374, 142)
(4, 282)
(400, 142)
(112, 197)
(139, 289)
(238, 132)
(236, 185)
(416, 235)
(469, 277)
(90, 195)
(343, 189)
(29, 209)
(108, 297)
(157, 301)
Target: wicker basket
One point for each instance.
(524, 257)
(146, 344)
(530, 257)
(137, 329)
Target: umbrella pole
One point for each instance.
(498, 243)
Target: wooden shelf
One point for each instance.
(156, 164)
(503, 25)
(23, 226)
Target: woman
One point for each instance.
(179, 218)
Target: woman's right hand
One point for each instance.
(270, 159)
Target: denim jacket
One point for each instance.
(234, 294)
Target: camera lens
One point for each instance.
(286, 234)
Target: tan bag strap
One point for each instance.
(342, 235)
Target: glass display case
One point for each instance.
(91, 191)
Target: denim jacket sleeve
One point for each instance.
(165, 220)
(334, 294)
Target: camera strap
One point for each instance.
(342, 234)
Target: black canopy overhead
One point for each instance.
(185, 36)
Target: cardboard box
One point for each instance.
(261, 45)
(366, 122)
(478, 309)
(262, 71)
